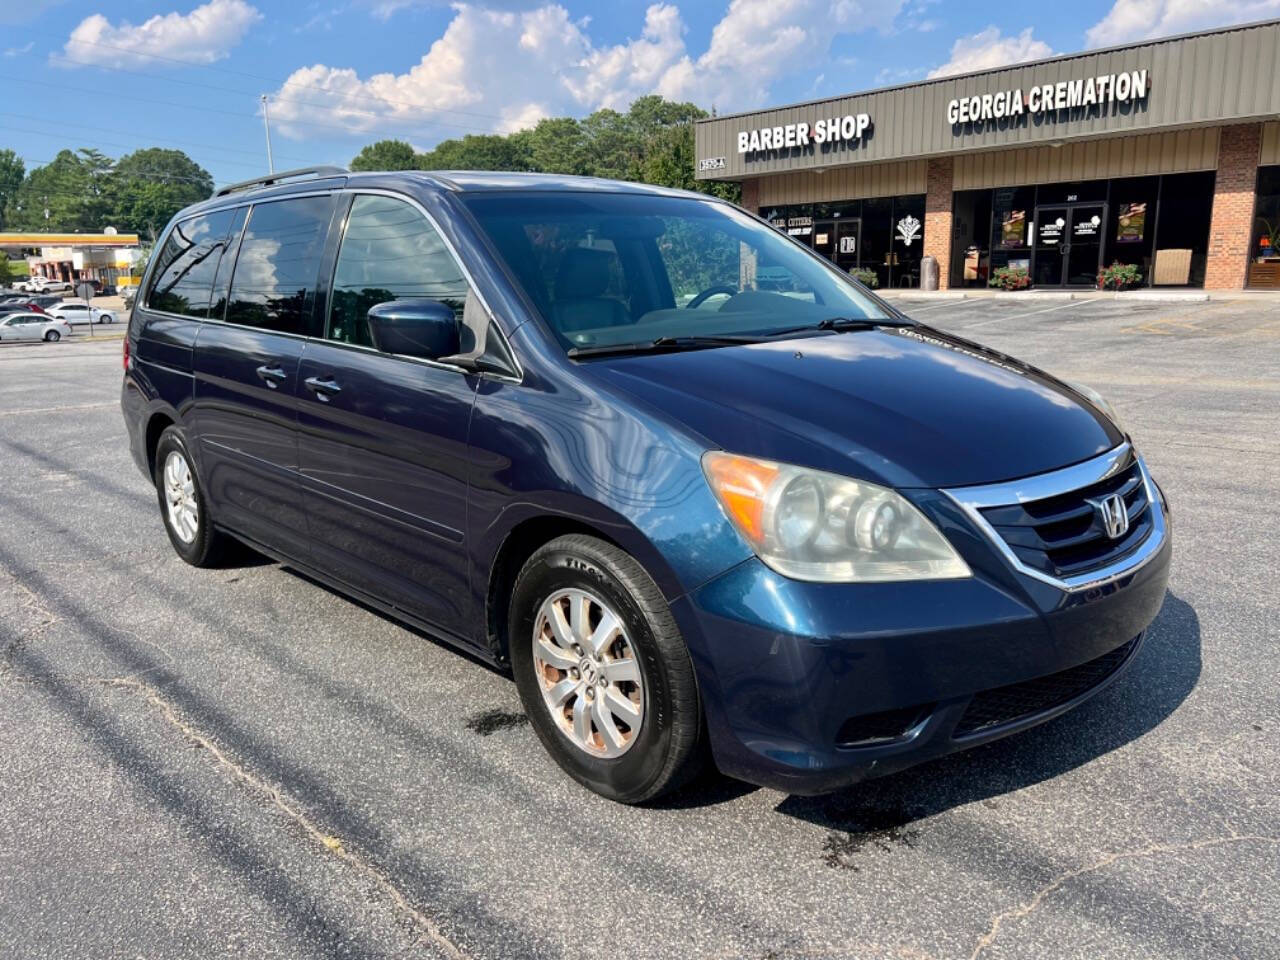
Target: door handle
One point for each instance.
(323, 389)
(271, 376)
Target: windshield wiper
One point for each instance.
(842, 324)
(664, 345)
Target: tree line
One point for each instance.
(85, 191)
(652, 143)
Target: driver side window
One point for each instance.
(390, 251)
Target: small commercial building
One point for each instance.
(112, 258)
(1163, 154)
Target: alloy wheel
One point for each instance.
(588, 673)
(180, 497)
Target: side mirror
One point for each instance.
(414, 328)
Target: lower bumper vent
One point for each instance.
(994, 708)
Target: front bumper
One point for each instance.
(809, 687)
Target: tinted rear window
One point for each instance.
(188, 260)
(274, 283)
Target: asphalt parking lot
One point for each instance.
(240, 762)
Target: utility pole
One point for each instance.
(266, 123)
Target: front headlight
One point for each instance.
(811, 525)
(1101, 402)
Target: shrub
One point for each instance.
(868, 278)
(1010, 278)
(1119, 276)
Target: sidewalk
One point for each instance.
(908, 295)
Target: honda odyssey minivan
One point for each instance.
(562, 424)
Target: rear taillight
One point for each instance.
(126, 354)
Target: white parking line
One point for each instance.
(1032, 313)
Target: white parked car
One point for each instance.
(38, 284)
(77, 311)
(33, 326)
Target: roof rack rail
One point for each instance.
(273, 178)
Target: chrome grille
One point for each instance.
(1064, 535)
(1049, 527)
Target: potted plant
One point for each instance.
(865, 276)
(1010, 278)
(1119, 276)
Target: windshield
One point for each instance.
(611, 268)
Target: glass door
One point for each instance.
(1068, 244)
(1049, 252)
(1083, 254)
(847, 243)
(824, 237)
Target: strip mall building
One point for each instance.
(1163, 154)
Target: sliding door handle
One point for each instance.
(271, 376)
(323, 388)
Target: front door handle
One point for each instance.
(322, 388)
(271, 376)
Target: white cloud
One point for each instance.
(204, 35)
(1142, 19)
(990, 48)
(19, 51)
(505, 69)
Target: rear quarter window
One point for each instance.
(188, 260)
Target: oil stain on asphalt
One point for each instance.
(491, 721)
(878, 829)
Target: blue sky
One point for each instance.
(341, 73)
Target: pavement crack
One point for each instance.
(293, 810)
(1159, 849)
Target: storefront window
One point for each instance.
(907, 244)
(1182, 229)
(1131, 223)
(877, 228)
(1264, 250)
(1012, 210)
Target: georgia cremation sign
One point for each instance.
(1043, 98)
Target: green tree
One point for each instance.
(557, 145)
(147, 187)
(477, 152)
(65, 194)
(12, 172)
(386, 155)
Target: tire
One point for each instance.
(52, 336)
(663, 751)
(202, 546)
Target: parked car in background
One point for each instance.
(797, 531)
(22, 305)
(33, 326)
(77, 311)
(38, 284)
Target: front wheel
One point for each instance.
(53, 336)
(603, 672)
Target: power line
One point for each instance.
(183, 143)
(254, 76)
(294, 100)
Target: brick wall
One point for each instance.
(937, 217)
(751, 195)
(1231, 227)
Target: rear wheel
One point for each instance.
(182, 503)
(53, 336)
(603, 672)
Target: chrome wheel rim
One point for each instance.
(588, 673)
(180, 497)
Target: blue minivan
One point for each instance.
(563, 424)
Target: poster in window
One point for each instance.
(1132, 223)
(1013, 228)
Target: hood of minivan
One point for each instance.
(907, 407)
